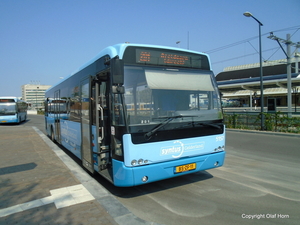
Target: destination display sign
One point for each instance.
(7, 100)
(168, 58)
(162, 58)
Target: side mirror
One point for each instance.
(118, 89)
(117, 71)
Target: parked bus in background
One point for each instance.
(12, 110)
(140, 113)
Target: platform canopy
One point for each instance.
(238, 83)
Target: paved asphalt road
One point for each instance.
(259, 184)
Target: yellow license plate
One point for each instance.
(183, 168)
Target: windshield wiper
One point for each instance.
(194, 124)
(206, 124)
(149, 134)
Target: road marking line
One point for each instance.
(61, 197)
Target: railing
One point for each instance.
(273, 121)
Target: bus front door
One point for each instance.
(86, 144)
(102, 124)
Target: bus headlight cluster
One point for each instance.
(139, 162)
(220, 148)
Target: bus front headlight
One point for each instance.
(133, 162)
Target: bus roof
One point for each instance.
(9, 97)
(119, 49)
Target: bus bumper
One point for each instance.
(132, 176)
(10, 119)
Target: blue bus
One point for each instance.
(140, 113)
(12, 110)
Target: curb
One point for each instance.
(114, 207)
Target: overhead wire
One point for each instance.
(248, 40)
(238, 57)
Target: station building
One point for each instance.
(240, 85)
(34, 95)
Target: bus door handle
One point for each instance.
(102, 124)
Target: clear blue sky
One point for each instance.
(43, 40)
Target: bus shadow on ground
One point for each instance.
(148, 188)
(175, 182)
(17, 168)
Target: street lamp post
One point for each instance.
(248, 14)
(295, 90)
(36, 97)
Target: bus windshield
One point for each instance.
(8, 108)
(154, 94)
